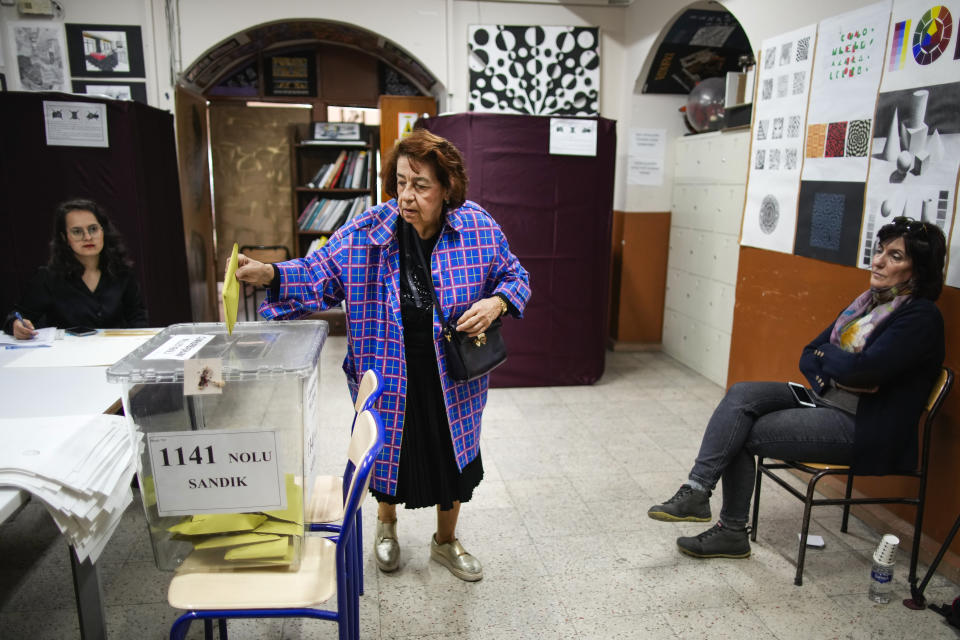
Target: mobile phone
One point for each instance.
(804, 399)
(80, 331)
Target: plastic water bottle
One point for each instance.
(881, 574)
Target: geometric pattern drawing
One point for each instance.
(826, 220)
(761, 154)
(773, 160)
(769, 214)
(782, 82)
(785, 49)
(858, 138)
(534, 70)
(799, 82)
(793, 127)
(769, 58)
(816, 139)
(836, 137)
(767, 90)
(790, 159)
(932, 35)
(762, 127)
(803, 49)
(777, 129)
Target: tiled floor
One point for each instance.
(560, 525)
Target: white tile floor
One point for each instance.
(559, 523)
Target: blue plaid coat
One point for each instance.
(360, 264)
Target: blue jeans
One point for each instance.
(762, 418)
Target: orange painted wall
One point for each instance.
(641, 243)
(782, 302)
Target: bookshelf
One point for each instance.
(334, 179)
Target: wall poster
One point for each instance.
(40, 55)
(534, 70)
(916, 137)
(846, 74)
(783, 82)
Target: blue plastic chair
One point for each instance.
(329, 492)
(209, 591)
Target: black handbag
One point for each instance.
(467, 358)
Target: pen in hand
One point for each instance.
(26, 324)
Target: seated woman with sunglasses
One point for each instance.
(88, 280)
(871, 371)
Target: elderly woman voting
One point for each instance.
(88, 280)
(871, 371)
(432, 455)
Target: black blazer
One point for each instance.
(52, 301)
(903, 357)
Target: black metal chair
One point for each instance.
(818, 471)
(261, 253)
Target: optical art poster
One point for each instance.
(534, 70)
(846, 75)
(916, 138)
(783, 82)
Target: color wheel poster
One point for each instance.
(916, 136)
(783, 82)
(846, 75)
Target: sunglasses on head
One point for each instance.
(910, 224)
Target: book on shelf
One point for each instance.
(306, 212)
(331, 182)
(359, 175)
(346, 176)
(318, 242)
(314, 210)
(315, 180)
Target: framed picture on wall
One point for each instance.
(102, 50)
(40, 57)
(117, 90)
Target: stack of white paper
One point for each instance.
(79, 466)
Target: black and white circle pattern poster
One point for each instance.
(534, 70)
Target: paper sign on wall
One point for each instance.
(573, 137)
(216, 471)
(75, 124)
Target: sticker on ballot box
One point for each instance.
(216, 471)
(179, 347)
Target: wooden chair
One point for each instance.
(818, 471)
(209, 591)
(265, 254)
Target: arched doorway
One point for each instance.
(235, 157)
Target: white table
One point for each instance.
(57, 390)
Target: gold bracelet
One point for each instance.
(503, 306)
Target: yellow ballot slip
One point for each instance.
(231, 291)
(294, 510)
(273, 549)
(205, 524)
(281, 528)
(234, 540)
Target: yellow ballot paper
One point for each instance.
(234, 540)
(294, 510)
(231, 291)
(282, 528)
(274, 549)
(205, 524)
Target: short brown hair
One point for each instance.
(423, 146)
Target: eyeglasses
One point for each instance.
(77, 233)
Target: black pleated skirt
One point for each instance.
(428, 474)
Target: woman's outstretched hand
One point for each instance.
(479, 316)
(253, 272)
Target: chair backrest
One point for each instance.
(937, 395)
(266, 253)
(365, 445)
(371, 386)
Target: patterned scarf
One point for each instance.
(866, 313)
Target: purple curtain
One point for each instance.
(557, 214)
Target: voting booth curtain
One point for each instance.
(134, 178)
(557, 212)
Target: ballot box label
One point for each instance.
(216, 471)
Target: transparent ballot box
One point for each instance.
(227, 428)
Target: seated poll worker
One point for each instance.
(384, 264)
(871, 372)
(88, 281)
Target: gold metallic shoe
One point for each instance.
(386, 547)
(454, 557)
